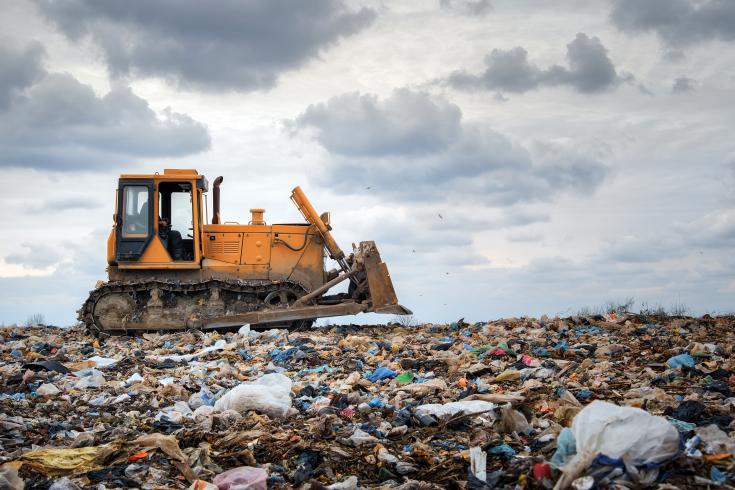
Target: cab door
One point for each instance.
(134, 223)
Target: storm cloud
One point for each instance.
(590, 70)
(406, 123)
(59, 123)
(223, 44)
(19, 68)
(384, 145)
(677, 22)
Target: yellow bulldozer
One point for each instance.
(169, 269)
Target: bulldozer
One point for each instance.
(169, 268)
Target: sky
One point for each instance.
(509, 157)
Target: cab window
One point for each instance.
(135, 211)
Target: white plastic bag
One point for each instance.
(103, 362)
(453, 408)
(89, 378)
(619, 432)
(269, 394)
(47, 389)
(176, 413)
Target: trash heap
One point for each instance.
(581, 402)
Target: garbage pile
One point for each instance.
(581, 402)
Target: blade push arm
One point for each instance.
(336, 253)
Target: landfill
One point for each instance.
(595, 401)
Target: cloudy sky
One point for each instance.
(510, 157)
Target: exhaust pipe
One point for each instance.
(215, 200)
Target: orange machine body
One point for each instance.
(255, 251)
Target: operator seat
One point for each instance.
(176, 245)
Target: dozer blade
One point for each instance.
(382, 293)
(286, 315)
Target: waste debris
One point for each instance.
(623, 401)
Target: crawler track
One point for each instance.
(154, 305)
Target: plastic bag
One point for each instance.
(134, 378)
(350, 483)
(47, 389)
(244, 477)
(602, 428)
(64, 484)
(103, 362)
(380, 373)
(360, 437)
(566, 447)
(681, 360)
(89, 378)
(176, 413)
(269, 394)
(204, 397)
(454, 408)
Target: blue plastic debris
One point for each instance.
(584, 394)
(541, 352)
(376, 402)
(682, 426)
(681, 360)
(280, 357)
(245, 354)
(562, 345)
(448, 445)
(716, 475)
(566, 447)
(16, 353)
(380, 373)
(15, 396)
(690, 447)
(503, 450)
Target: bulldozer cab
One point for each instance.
(158, 220)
